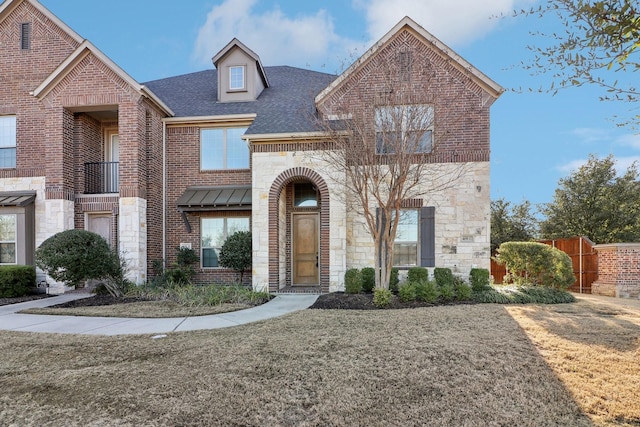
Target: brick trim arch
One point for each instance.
(285, 178)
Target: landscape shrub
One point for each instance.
(74, 256)
(522, 295)
(417, 274)
(427, 291)
(368, 279)
(394, 280)
(443, 276)
(480, 279)
(237, 253)
(447, 292)
(531, 263)
(382, 298)
(407, 292)
(353, 281)
(462, 291)
(17, 280)
(178, 273)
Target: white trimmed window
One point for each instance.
(408, 128)
(7, 142)
(214, 232)
(223, 148)
(8, 233)
(407, 243)
(237, 78)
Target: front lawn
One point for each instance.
(442, 366)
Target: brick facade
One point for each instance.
(67, 96)
(618, 270)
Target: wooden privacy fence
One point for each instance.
(583, 257)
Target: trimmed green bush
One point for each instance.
(443, 276)
(417, 274)
(407, 292)
(394, 280)
(382, 298)
(17, 280)
(531, 263)
(462, 291)
(353, 281)
(237, 253)
(427, 291)
(73, 256)
(480, 279)
(368, 279)
(447, 292)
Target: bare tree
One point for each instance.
(383, 148)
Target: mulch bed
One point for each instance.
(16, 300)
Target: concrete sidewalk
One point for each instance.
(10, 320)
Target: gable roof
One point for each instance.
(286, 106)
(482, 80)
(10, 5)
(235, 43)
(86, 48)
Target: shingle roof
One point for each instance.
(286, 106)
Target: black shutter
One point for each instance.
(427, 236)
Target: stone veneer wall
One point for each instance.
(266, 168)
(618, 270)
(132, 236)
(462, 228)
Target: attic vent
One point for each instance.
(405, 60)
(25, 36)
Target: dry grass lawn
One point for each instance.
(594, 348)
(469, 365)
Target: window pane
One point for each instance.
(405, 254)
(7, 157)
(305, 195)
(407, 226)
(212, 149)
(237, 224)
(236, 78)
(7, 131)
(237, 149)
(210, 257)
(212, 232)
(7, 228)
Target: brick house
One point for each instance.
(186, 160)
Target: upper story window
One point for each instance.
(25, 36)
(223, 148)
(8, 239)
(237, 79)
(7, 141)
(404, 127)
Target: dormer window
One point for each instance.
(237, 78)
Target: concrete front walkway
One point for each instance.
(10, 320)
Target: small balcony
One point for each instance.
(101, 177)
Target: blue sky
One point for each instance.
(537, 138)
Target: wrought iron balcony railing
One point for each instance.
(101, 177)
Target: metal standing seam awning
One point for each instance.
(227, 198)
(17, 198)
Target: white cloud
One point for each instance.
(630, 140)
(311, 40)
(591, 135)
(304, 41)
(454, 22)
(621, 164)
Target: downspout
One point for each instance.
(164, 191)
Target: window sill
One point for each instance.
(237, 91)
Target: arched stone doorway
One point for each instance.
(299, 232)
